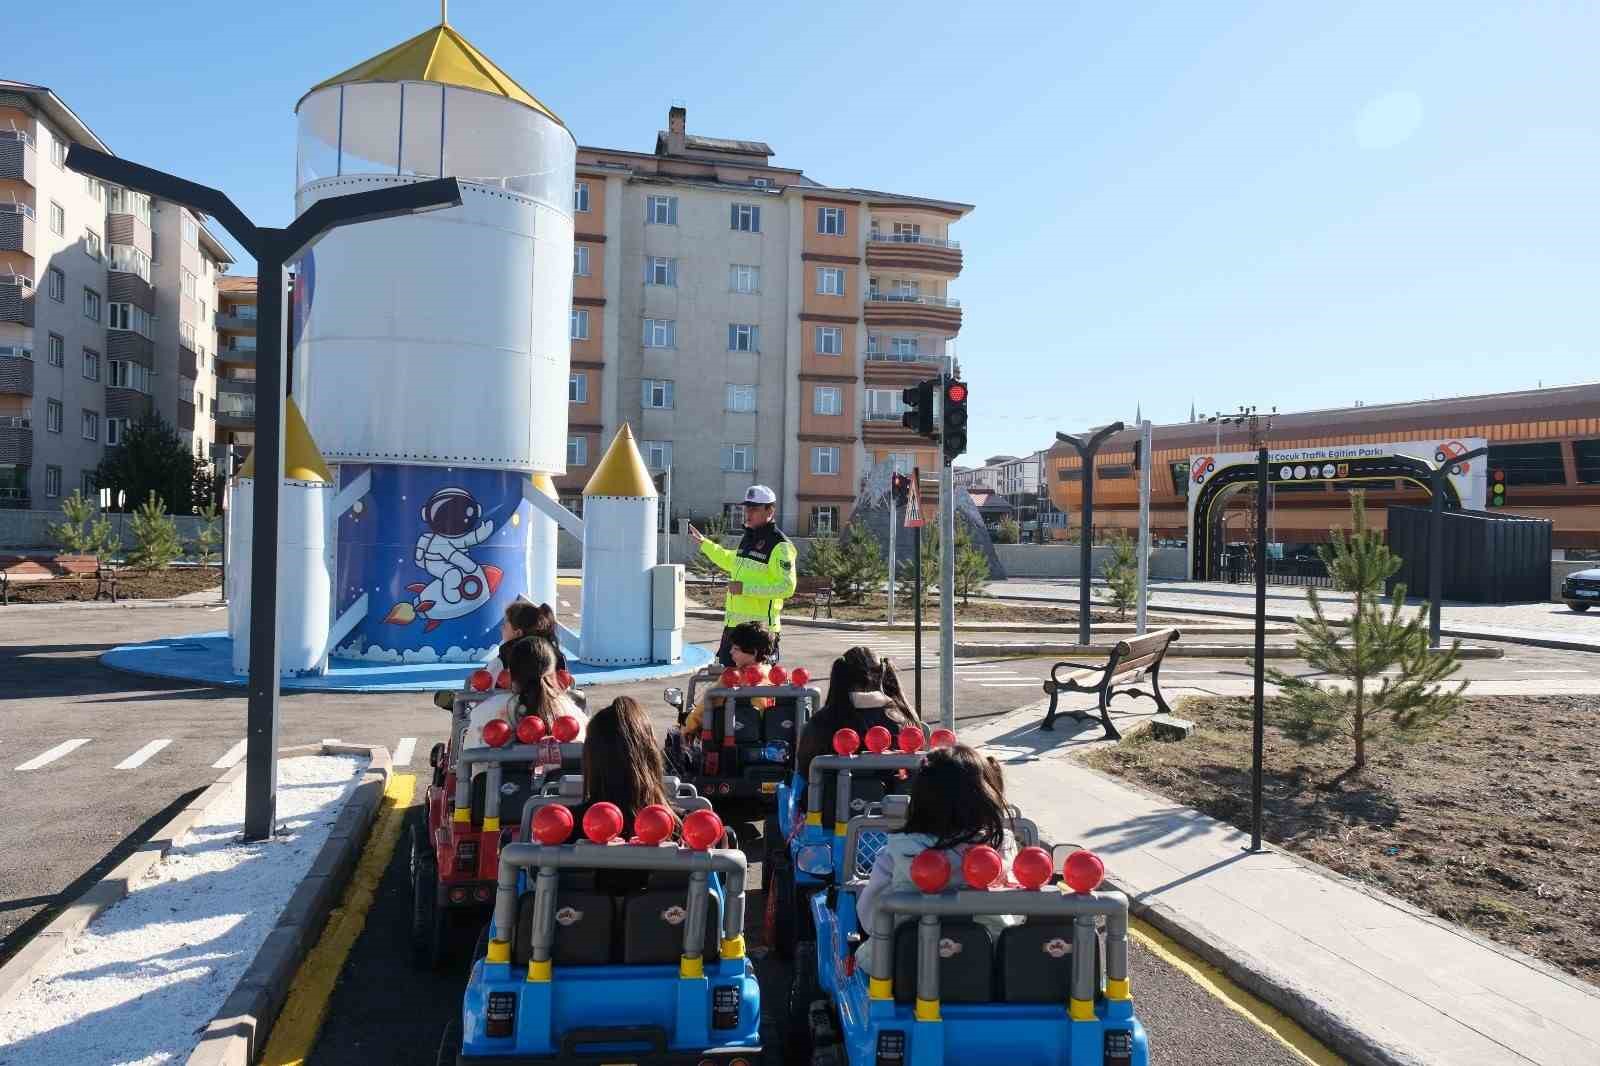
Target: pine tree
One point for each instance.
(155, 536)
(1376, 640)
(1121, 572)
(861, 567)
(150, 458)
(972, 566)
(823, 559)
(205, 538)
(1009, 532)
(85, 531)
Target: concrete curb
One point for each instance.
(238, 1034)
(1179, 650)
(1108, 628)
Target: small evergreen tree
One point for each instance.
(861, 566)
(73, 535)
(1121, 572)
(205, 539)
(1376, 640)
(972, 566)
(930, 562)
(205, 486)
(823, 560)
(1009, 532)
(155, 536)
(150, 458)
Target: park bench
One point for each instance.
(820, 589)
(5, 589)
(105, 583)
(1129, 661)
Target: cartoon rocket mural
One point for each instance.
(619, 551)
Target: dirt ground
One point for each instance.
(1492, 822)
(131, 585)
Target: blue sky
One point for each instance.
(1299, 205)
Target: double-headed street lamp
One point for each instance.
(273, 248)
(1086, 449)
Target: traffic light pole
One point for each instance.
(947, 596)
(894, 535)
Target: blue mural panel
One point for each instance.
(438, 552)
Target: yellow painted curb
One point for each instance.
(1269, 1019)
(303, 1012)
(569, 581)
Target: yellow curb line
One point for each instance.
(307, 1005)
(1269, 1019)
(571, 581)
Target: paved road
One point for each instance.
(383, 1010)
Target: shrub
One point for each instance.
(155, 536)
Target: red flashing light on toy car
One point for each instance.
(552, 824)
(702, 830)
(942, 738)
(777, 676)
(878, 740)
(1032, 867)
(930, 871)
(730, 678)
(566, 728)
(602, 822)
(530, 730)
(846, 742)
(1083, 871)
(653, 824)
(800, 677)
(504, 680)
(750, 675)
(982, 866)
(496, 731)
(911, 739)
(480, 681)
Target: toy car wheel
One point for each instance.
(797, 1039)
(428, 919)
(781, 907)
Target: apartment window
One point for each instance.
(116, 430)
(743, 338)
(830, 340)
(58, 151)
(825, 460)
(90, 425)
(738, 458)
(741, 399)
(580, 324)
(91, 364)
(885, 404)
(657, 454)
(577, 388)
(660, 333)
(128, 316)
(56, 350)
(580, 260)
(191, 230)
(903, 347)
(830, 221)
(129, 260)
(827, 400)
(128, 202)
(86, 482)
(91, 244)
(124, 374)
(188, 282)
(743, 278)
(58, 219)
(661, 211)
(830, 281)
(745, 218)
(872, 345)
(58, 285)
(186, 335)
(901, 462)
(53, 415)
(580, 196)
(52, 481)
(908, 229)
(761, 183)
(905, 288)
(824, 521)
(577, 451)
(660, 270)
(657, 394)
(873, 292)
(94, 188)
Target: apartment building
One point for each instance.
(1014, 487)
(236, 360)
(751, 323)
(105, 299)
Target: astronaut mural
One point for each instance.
(439, 552)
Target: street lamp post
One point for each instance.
(273, 248)
(1086, 450)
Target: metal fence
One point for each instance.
(1306, 573)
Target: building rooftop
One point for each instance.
(57, 111)
(235, 283)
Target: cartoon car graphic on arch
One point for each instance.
(1203, 466)
(1448, 451)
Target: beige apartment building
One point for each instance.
(106, 303)
(752, 324)
(236, 361)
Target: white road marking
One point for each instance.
(564, 603)
(229, 757)
(48, 757)
(142, 756)
(404, 750)
(1008, 684)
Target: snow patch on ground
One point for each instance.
(139, 985)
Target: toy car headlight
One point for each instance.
(776, 752)
(816, 860)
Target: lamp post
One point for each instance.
(1086, 449)
(272, 248)
(1438, 472)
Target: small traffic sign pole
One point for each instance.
(894, 535)
(914, 521)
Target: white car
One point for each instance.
(1581, 590)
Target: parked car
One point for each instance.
(1581, 590)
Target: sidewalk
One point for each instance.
(1376, 979)
(1541, 624)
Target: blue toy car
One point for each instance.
(601, 952)
(938, 987)
(743, 754)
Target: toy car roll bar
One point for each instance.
(547, 860)
(493, 759)
(890, 817)
(682, 797)
(1082, 907)
(845, 766)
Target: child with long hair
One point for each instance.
(621, 762)
(535, 691)
(957, 802)
(524, 618)
(863, 691)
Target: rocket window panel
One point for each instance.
(421, 150)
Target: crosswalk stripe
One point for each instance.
(48, 757)
(140, 757)
(404, 750)
(1009, 684)
(229, 757)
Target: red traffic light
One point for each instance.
(956, 392)
(1499, 475)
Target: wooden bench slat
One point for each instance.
(1147, 644)
(1126, 664)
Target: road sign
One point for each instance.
(914, 507)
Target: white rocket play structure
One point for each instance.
(430, 357)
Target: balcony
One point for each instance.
(188, 363)
(895, 417)
(904, 310)
(16, 440)
(17, 158)
(16, 228)
(239, 320)
(16, 371)
(236, 404)
(14, 499)
(16, 299)
(186, 416)
(238, 350)
(912, 251)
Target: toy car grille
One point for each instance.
(1118, 1047)
(868, 844)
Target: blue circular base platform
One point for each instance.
(208, 659)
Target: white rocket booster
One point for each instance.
(619, 550)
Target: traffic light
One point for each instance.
(919, 407)
(900, 486)
(1497, 488)
(954, 429)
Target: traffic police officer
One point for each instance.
(761, 571)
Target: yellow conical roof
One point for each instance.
(302, 460)
(443, 56)
(622, 472)
(546, 484)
